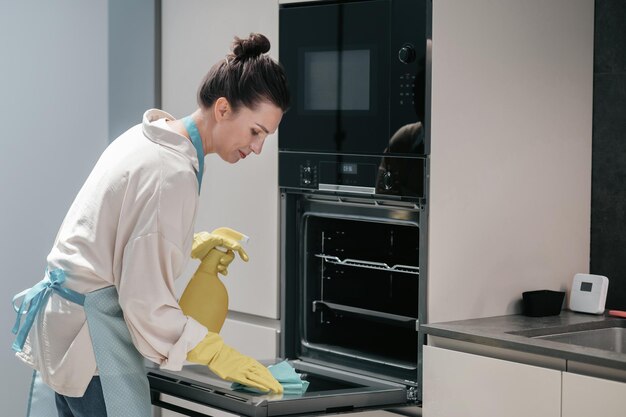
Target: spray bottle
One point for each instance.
(205, 298)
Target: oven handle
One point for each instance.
(347, 188)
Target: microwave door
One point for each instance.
(330, 391)
(337, 63)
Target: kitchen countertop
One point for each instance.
(516, 332)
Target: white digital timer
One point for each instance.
(588, 293)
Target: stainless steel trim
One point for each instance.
(347, 188)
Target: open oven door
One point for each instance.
(330, 391)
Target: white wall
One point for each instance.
(511, 152)
(53, 113)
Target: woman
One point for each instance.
(107, 299)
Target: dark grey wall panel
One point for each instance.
(608, 199)
(610, 36)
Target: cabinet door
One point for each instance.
(260, 342)
(459, 384)
(188, 408)
(585, 396)
(195, 35)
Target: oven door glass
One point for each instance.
(360, 279)
(350, 91)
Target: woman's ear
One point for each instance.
(222, 109)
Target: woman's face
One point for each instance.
(237, 134)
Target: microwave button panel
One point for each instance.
(407, 89)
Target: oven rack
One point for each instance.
(405, 269)
(373, 315)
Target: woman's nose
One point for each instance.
(257, 145)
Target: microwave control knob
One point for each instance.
(306, 175)
(406, 54)
(387, 181)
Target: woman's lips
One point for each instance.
(243, 155)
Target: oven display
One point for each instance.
(349, 169)
(348, 173)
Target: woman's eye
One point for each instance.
(255, 132)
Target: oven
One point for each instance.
(353, 269)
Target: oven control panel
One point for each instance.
(308, 175)
(371, 175)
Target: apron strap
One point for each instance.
(35, 298)
(194, 135)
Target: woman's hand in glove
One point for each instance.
(216, 262)
(231, 365)
(204, 242)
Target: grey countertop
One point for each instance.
(516, 332)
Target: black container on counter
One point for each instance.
(542, 303)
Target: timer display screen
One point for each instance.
(348, 169)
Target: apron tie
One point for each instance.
(35, 299)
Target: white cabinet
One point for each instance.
(585, 396)
(256, 340)
(511, 115)
(195, 35)
(188, 405)
(458, 384)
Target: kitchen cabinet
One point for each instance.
(256, 340)
(510, 173)
(585, 396)
(187, 405)
(492, 381)
(467, 385)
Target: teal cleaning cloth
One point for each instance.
(286, 375)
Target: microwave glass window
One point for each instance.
(337, 80)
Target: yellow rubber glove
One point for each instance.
(231, 365)
(225, 237)
(205, 298)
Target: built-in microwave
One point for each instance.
(357, 72)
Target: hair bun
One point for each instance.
(255, 45)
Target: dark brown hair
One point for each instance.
(246, 77)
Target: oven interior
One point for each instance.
(359, 290)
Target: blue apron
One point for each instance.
(120, 366)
